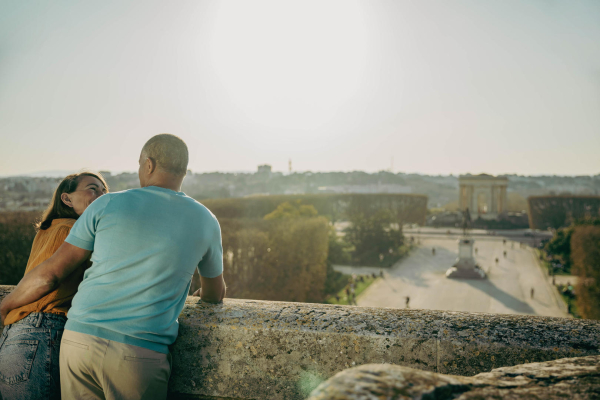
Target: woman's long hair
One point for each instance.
(58, 209)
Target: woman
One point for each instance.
(30, 343)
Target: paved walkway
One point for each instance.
(421, 276)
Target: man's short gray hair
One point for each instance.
(169, 151)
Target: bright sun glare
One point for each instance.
(281, 61)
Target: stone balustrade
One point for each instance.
(247, 349)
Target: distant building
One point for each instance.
(484, 195)
(264, 169)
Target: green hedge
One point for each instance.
(560, 211)
(405, 208)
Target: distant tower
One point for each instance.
(290, 166)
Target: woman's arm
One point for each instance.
(44, 278)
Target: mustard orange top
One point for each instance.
(58, 301)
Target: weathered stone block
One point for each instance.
(275, 350)
(575, 378)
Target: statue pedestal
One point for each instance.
(465, 266)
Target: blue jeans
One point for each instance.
(29, 353)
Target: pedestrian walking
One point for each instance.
(348, 293)
(532, 292)
(407, 302)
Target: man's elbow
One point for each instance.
(48, 282)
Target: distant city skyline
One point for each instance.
(62, 173)
(444, 88)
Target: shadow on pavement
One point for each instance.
(421, 262)
(503, 297)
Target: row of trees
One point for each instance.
(405, 208)
(274, 249)
(585, 253)
(288, 254)
(276, 259)
(577, 249)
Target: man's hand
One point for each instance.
(44, 278)
(212, 289)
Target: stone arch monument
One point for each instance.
(484, 195)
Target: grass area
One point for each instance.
(548, 266)
(388, 262)
(569, 301)
(360, 287)
(572, 305)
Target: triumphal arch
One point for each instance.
(484, 195)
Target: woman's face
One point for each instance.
(88, 190)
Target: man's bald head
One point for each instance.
(169, 152)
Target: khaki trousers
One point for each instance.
(96, 368)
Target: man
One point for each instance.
(146, 244)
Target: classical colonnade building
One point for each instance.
(484, 195)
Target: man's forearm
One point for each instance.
(31, 288)
(44, 278)
(212, 300)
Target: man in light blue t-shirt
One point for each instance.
(145, 244)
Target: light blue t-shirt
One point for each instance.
(146, 243)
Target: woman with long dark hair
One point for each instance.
(30, 342)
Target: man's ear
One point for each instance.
(150, 165)
(66, 199)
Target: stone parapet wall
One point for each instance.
(250, 349)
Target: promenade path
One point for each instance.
(421, 276)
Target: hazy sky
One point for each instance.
(441, 86)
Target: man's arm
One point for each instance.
(44, 278)
(212, 290)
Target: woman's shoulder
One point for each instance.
(60, 227)
(47, 241)
(63, 222)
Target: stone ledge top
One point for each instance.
(412, 323)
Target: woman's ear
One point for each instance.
(66, 199)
